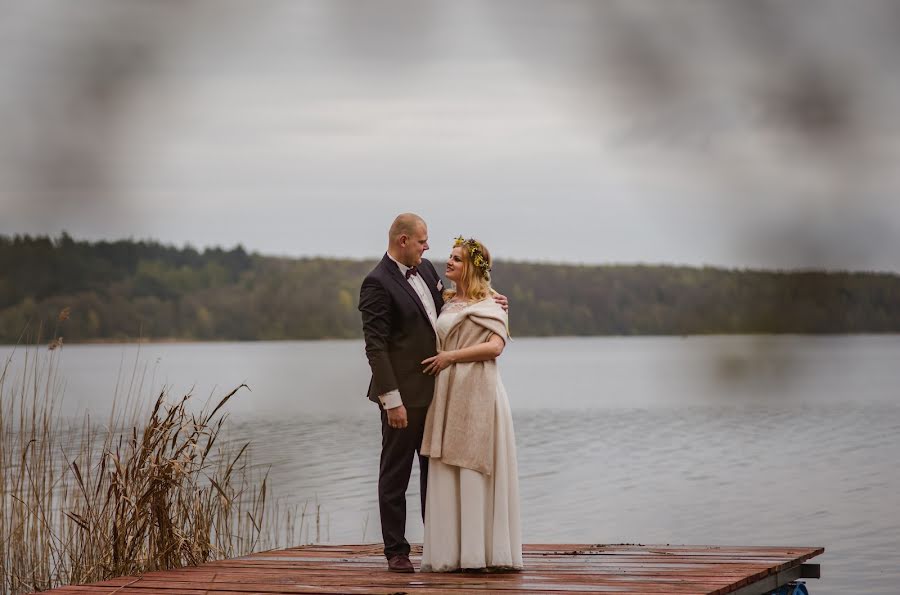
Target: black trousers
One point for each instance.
(398, 449)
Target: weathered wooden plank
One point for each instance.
(448, 580)
(550, 569)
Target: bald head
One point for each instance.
(405, 224)
(408, 239)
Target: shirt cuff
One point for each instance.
(391, 400)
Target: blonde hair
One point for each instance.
(476, 280)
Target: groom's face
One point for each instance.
(416, 245)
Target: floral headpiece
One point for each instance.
(475, 253)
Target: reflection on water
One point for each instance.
(642, 440)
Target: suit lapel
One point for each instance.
(394, 272)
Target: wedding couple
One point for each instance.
(434, 376)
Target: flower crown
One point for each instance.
(475, 253)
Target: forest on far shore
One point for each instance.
(122, 290)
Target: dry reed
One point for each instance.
(156, 489)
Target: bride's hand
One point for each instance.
(435, 364)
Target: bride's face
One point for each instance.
(455, 265)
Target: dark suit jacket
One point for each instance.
(397, 332)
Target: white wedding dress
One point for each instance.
(471, 519)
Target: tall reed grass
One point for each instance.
(157, 486)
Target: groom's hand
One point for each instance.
(502, 301)
(397, 417)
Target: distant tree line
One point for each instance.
(124, 289)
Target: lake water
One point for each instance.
(703, 440)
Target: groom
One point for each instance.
(400, 300)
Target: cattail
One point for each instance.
(64, 313)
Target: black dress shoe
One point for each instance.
(400, 563)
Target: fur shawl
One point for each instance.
(459, 427)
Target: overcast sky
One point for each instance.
(753, 134)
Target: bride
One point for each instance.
(472, 497)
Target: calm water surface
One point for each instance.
(702, 440)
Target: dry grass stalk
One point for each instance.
(150, 490)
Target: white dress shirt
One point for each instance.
(392, 399)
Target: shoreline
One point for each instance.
(176, 341)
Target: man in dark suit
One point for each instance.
(400, 300)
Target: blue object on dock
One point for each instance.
(792, 588)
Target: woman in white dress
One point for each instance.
(472, 498)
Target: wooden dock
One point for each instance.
(550, 569)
